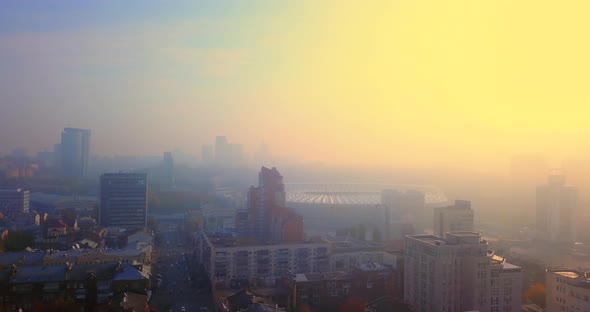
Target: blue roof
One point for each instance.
(130, 273)
(33, 274)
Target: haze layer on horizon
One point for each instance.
(395, 83)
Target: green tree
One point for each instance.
(18, 240)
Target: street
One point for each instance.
(177, 271)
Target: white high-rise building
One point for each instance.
(567, 290)
(457, 274)
(456, 218)
(556, 210)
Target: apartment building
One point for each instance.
(458, 273)
(567, 290)
(228, 259)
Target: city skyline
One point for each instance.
(314, 81)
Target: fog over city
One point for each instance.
(294, 156)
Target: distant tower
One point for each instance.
(221, 150)
(456, 218)
(556, 210)
(75, 152)
(207, 154)
(169, 167)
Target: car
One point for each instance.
(182, 309)
(171, 266)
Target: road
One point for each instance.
(175, 263)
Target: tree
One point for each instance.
(536, 294)
(354, 304)
(377, 235)
(69, 215)
(18, 240)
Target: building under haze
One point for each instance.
(123, 200)
(74, 152)
(567, 290)
(169, 167)
(14, 201)
(207, 154)
(455, 218)
(556, 210)
(401, 210)
(227, 154)
(268, 218)
(458, 273)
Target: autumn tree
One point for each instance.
(536, 294)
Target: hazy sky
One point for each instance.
(416, 83)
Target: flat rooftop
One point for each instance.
(452, 238)
(569, 273)
(224, 240)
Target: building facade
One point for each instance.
(456, 218)
(123, 200)
(75, 152)
(567, 290)
(268, 219)
(229, 260)
(556, 211)
(457, 274)
(14, 201)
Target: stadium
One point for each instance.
(327, 207)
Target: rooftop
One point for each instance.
(227, 240)
(569, 274)
(21, 257)
(130, 273)
(312, 277)
(452, 238)
(32, 274)
(372, 267)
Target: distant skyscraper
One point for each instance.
(457, 274)
(75, 152)
(123, 200)
(227, 154)
(458, 217)
(401, 210)
(169, 167)
(207, 154)
(556, 210)
(13, 201)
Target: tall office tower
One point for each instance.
(207, 154)
(75, 152)
(457, 274)
(169, 167)
(458, 217)
(123, 200)
(402, 210)
(269, 220)
(14, 201)
(567, 290)
(556, 210)
(221, 150)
